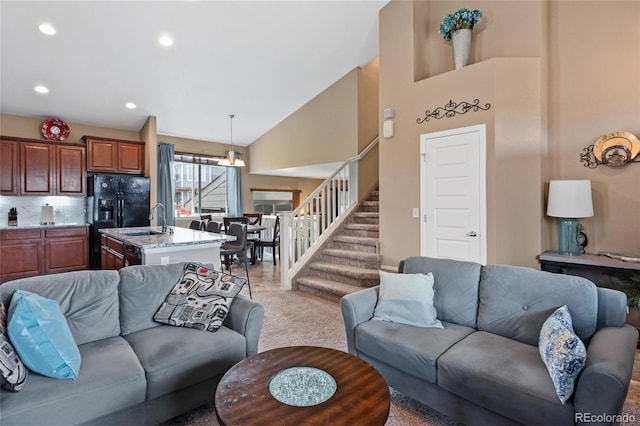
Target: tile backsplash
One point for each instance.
(66, 210)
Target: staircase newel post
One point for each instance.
(285, 240)
(353, 182)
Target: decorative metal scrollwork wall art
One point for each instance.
(613, 149)
(451, 109)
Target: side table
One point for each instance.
(602, 270)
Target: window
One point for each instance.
(272, 202)
(200, 185)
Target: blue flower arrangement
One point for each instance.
(462, 19)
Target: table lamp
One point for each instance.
(569, 200)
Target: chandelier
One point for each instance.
(232, 157)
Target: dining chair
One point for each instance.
(237, 247)
(252, 237)
(274, 242)
(228, 220)
(254, 218)
(196, 224)
(214, 226)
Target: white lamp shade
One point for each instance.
(570, 199)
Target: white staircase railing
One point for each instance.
(304, 229)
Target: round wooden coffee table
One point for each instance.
(361, 393)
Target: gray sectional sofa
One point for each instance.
(484, 366)
(133, 370)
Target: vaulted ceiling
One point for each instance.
(259, 60)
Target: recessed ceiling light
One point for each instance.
(47, 29)
(41, 89)
(130, 105)
(166, 40)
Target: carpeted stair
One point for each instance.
(349, 260)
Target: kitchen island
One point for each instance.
(148, 245)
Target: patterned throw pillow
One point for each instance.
(13, 373)
(200, 299)
(562, 352)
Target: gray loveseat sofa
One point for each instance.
(484, 367)
(133, 370)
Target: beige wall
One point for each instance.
(322, 131)
(594, 78)
(29, 127)
(569, 87)
(332, 127)
(149, 134)
(368, 104)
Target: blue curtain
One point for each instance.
(234, 191)
(165, 182)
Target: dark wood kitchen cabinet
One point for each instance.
(37, 163)
(21, 253)
(29, 252)
(31, 167)
(111, 253)
(9, 167)
(67, 249)
(70, 169)
(114, 156)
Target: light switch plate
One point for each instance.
(416, 212)
(387, 129)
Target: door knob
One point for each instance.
(472, 234)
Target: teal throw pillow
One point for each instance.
(407, 299)
(562, 352)
(13, 373)
(41, 336)
(201, 298)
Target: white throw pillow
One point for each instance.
(407, 299)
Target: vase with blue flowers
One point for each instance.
(457, 27)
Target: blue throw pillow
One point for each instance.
(562, 352)
(41, 336)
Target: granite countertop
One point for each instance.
(38, 226)
(150, 237)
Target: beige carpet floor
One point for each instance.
(294, 318)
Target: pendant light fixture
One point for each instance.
(232, 157)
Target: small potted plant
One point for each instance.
(456, 27)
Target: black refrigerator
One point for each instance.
(115, 201)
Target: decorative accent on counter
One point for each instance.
(614, 149)
(451, 109)
(47, 215)
(13, 216)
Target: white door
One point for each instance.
(453, 194)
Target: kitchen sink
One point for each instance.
(142, 233)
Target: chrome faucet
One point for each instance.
(164, 216)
